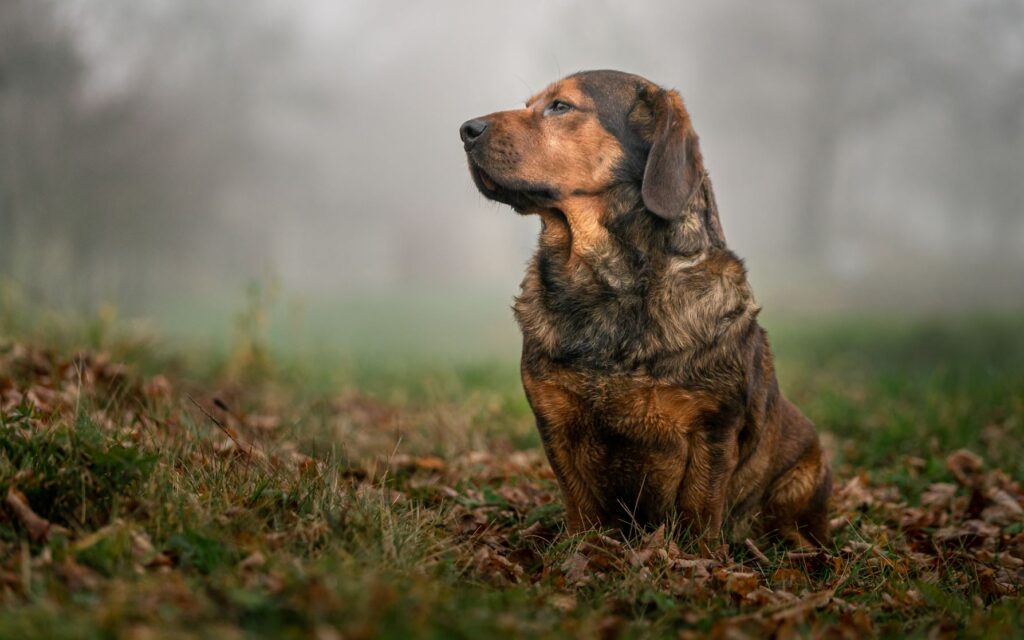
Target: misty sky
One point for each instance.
(895, 130)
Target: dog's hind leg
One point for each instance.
(797, 502)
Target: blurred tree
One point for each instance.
(859, 67)
(38, 73)
(121, 141)
(1000, 29)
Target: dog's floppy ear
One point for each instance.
(674, 167)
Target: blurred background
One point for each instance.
(163, 156)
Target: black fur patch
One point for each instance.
(615, 95)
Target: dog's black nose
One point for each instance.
(471, 130)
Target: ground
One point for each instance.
(150, 491)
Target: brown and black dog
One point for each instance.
(650, 378)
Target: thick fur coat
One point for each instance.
(651, 380)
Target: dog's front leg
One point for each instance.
(581, 510)
(563, 426)
(703, 494)
(567, 459)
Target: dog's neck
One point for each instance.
(636, 291)
(610, 238)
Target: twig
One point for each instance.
(757, 553)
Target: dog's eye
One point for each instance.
(557, 107)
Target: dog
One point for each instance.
(651, 381)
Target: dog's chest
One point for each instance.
(635, 411)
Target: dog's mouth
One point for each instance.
(520, 196)
(487, 184)
(486, 181)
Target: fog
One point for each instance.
(866, 155)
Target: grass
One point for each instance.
(241, 492)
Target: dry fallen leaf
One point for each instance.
(804, 605)
(640, 557)
(939, 494)
(564, 602)
(1004, 508)
(968, 533)
(254, 560)
(854, 494)
(534, 529)
(493, 565)
(76, 576)
(142, 547)
(576, 569)
(655, 539)
(740, 583)
(965, 466)
(695, 567)
(430, 463)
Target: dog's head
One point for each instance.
(582, 136)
